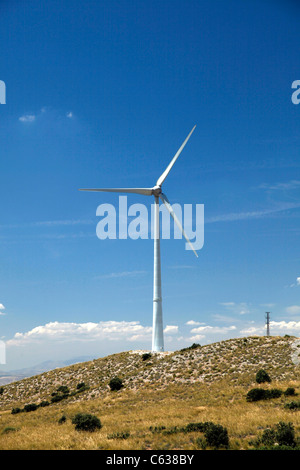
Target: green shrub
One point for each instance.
(293, 405)
(8, 429)
(262, 376)
(116, 384)
(86, 422)
(216, 436)
(15, 411)
(61, 393)
(1, 390)
(146, 356)
(256, 394)
(268, 437)
(290, 391)
(273, 393)
(62, 420)
(57, 398)
(80, 386)
(119, 435)
(173, 430)
(156, 429)
(44, 403)
(198, 427)
(281, 437)
(193, 346)
(201, 443)
(63, 389)
(30, 407)
(285, 434)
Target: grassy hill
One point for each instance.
(160, 397)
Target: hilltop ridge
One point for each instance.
(236, 359)
(166, 399)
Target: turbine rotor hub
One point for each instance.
(156, 190)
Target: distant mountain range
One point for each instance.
(7, 377)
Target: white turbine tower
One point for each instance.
(157, 333)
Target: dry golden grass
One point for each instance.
(205, 384)
(135, 412)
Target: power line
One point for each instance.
(268, 323)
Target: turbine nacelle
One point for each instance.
(156, 190)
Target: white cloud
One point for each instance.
(192, 322)
(51, 223)
(27, 118)
(45, 113)
(293, 184)
(196, 337)
(171, 329)
(297, 282)
(287, 326)
(233, 216)
(253, 331)
(223, 318)
(276, 328)
(213, 329)
(293, 310)
(240, 308)
(85, 332)
(1, 309)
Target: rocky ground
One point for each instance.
(236, 358)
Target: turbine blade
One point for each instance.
(162, 178)
(144, 191)
(164, 199)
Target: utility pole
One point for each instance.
(268, 323)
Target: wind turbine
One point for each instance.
(156, 191)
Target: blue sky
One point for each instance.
(102, 94)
